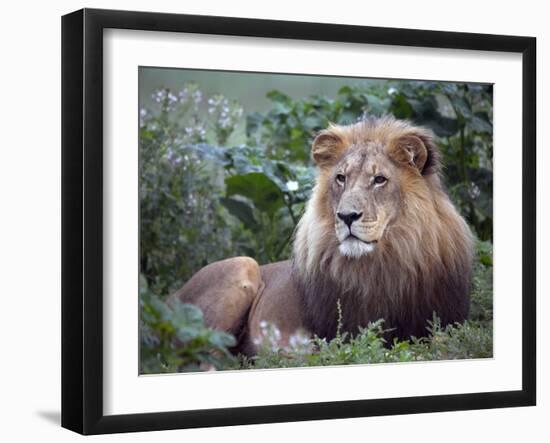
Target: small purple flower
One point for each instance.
(183, 95)
(197, 96)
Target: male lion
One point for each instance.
(379, 235)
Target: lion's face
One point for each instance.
(366, 175)
(379, 233)
(365, 197)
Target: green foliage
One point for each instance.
(267, 196)
(173, 337)
(459, 114)
(203, 199)
(288, 128)
(481, 302)
(461, 117)
(178, 216)
(471, 339)
(467, 340)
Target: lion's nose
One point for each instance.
(349, 217)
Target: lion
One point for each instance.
(380, 238)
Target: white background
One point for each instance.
(30, 222)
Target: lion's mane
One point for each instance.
(422, 266)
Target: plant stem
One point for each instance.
(283, 245)
(290, 211)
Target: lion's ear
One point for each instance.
(416, 150)
(327, 147)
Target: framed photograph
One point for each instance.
(270, 221)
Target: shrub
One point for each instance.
(468, 340)
(459, 114)
(173, 338)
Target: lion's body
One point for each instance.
(379, 235)
(237, 294)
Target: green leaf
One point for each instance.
(442, 126)
(187, 333)
(254, 123)
(461, 106)
(186, 314)
(400, 106)
(345, 90)
(487, 260)
(278, 97)
(376, 105)
(426, 113)
(222, 340)
(348, 117)
(480, 122)
(242, 211)
(258, 187)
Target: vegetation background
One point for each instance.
(225, 170)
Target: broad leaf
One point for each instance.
(242, 211)
(258, 187)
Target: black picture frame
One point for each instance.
(82, 218)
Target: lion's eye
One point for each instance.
(380, 179)
(341, 179)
